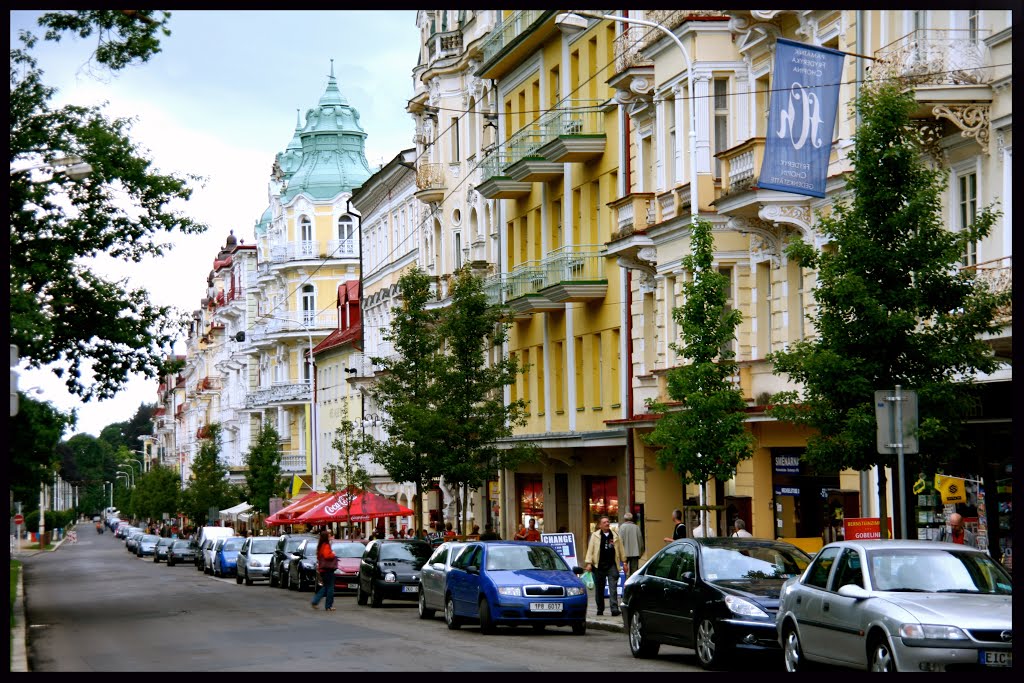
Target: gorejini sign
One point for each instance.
(863, 528)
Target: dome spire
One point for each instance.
(332, 95)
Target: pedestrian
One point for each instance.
(679, 531)
(475, 536)
(488, 534)
(449, 534)
(956, 533)
(632, 542)
(530, 533)
(741, 529)
(698, 530)
(326, 563)
(604, 558)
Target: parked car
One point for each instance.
(286, 545)
(302, 567)
(390, 569)
(715, 595)
(181, 550)
(204, 555)
(163, 545)
(431, 598)
(514, 583)
(899, 605)
(146, 544)
(350, 555)
(254, 559)
(131, 542)
(225, 555)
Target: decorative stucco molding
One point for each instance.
(971, 119)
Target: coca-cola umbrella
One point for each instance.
(287, 514)
(352, 506)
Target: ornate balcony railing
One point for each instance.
(575, 263)
(447, 44)
(293, 461)
(430, 177)
(633, 212)
(341, 248)
(508, 30)
(295, 251)
(576, 118)
(294, 322)
(935, 57)
(279, 393)
(998, 274)
(741, 165)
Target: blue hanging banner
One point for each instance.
(805, 96)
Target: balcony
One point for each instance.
(998, 275)
(293, 322)
(342, 248)
(444, 45)
(526, 163)
(293, 461)
(741, 165)
(572, 134)
(283, 393)
(210, 385)
(305, 250)
(518, 35)
(431, 183)
(574, 274)
(522, 290)
(496, 184)
(633, 213)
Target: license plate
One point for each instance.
(997, 658)
(545, 607)
(410, 589)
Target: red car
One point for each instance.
(346, 576)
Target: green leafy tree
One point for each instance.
(209, 487)
(407, 391)
(92, 331)
(156, 492)
(95, 463)
(33, 437)
(263, 478)
(474, 412)
(705, 436)
(893, 307)
(348, 474)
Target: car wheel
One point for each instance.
(375, 599)
(792, 652)
(423, 611)
(248, 579)
(579, 628)
(639, 644)
(360, 594)
(155, 558)
(291, 584)
(881, 658)
(238, 578)
(486, 622)
(451, 621)
(709, 644)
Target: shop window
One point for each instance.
(602, 500)
(530, 493)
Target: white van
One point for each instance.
(214, 532)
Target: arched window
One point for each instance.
(346, 229)
(305, 236)
(308, 305)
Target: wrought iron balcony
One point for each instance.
(998, 275)
(506, 32)
(935, 57)
(279, 393)
(431, 183)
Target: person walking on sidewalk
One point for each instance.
(326, 563)
(604, 558)
(632, 542)
(679, 530)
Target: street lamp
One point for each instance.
(312, 396)
(111, 484)
(71, 165)
(571, 23)
(131, 476)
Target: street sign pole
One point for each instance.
(896, 415)
(898, 433)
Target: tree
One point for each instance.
(209, 487)
(156, 492)
(263, 474)
(34, 435)
(706, 436)
(407, 391)
(474, 413)
(62, 312)
(94, 461)
(348, 474)
(892, 305)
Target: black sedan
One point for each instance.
(302, 567)
(391, 569)
(181, 550)
(714, 595)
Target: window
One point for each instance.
(818, 574)
(972, 25)
(721, 104)
(664, 564)
(579, 373)
(727, 273)
(848, 570)
(670, 142)
(308, 305)
(598, 365)
(539, 363)
(305, 236)
(556, 376)
(458, 250)
(968, 200)
(687, 561)
(764, 308)
(454, 133)
(526, 378)
(613, 369)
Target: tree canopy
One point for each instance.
(263, 474)
(892, 304)
(91, 330)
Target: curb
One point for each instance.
(19, 646)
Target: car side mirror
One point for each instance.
(688, 578)
(578, 571)
(472, 569)
(438, 565)
(852, 590)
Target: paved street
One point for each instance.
(95, 607)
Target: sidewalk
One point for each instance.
(605, 622)
(19, 644)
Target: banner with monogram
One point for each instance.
(804, 99)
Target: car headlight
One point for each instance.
(390, 577)
(255, 563)
(512, 591)
(575, 590)
(931, 631)
(744, 608)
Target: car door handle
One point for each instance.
(824, 607)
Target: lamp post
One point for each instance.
(130, 474)
(147, 444)
(71, 165)
(571, 23)
(312, 398)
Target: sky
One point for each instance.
(220, 101)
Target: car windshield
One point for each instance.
(309, 550)
(181, 545)
(509, 558)
(292, 544)
(164, 541)
(344, 549)
(936, 570)
(409, 552)
(233, 543)
(746, 562)
(150, 538)
(263, 546)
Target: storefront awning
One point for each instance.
(233, 512)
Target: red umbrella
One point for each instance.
(287, 514)
(347, 506)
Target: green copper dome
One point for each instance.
(333, 156)
(291, 158)
(264, 222)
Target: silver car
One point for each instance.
(432, 578)
(254, 559)
(898, 605)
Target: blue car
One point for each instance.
(225, 556)
(512, 583)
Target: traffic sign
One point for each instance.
(19, 520)
(889, 433)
